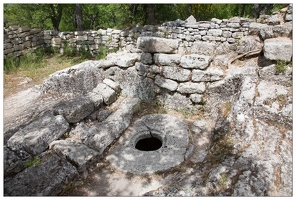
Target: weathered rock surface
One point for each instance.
(123, 60)
(75, 110)
(157, 45)
(166, 83)
(47, 179)
(176, 73)
(77, 153)
(195, 61)
(209, 75)
(14, 160)
(78, 79)
(278, 49)
(35, 137)
(103, 90)
(101, 135)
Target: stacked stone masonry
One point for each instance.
(18, 40)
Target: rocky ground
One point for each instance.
(242, 146)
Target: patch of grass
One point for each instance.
(221, 149)
(281, 66)
(223, 181)
(32, 163)
(151, 108)
(186, 113)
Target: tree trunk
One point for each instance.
(56, 15)
(256, 10)
(243, 10)
(266, 8)
(150, 14)
(78, 17)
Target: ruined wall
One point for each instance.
(187, 33)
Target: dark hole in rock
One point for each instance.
(149, 144)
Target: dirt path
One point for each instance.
(107, 181)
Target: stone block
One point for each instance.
(24, 29)
(166, 59)
(215, 32)
(195, 61)
(77, 153)
(166, 83)
(115, 86)
(108, 94)
(35, 137)
(146, 58)
(76, 109)
(157, 45)
(203, 48)
(249, 43)
(278, 49)
(176, 73)
(212, 74)
(56, 41)
(104, 133)
(190, 88)
(196, 98)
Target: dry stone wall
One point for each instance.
(185, 33)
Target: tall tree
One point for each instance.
(56, 12)
(78, 17)
(149, 8)
(243, 10)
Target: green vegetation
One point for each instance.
(281, 66)
(221, 149)
(38, 58)
(32, 163)
(72, 17)
(223, 181)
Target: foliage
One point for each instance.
(63, 17)
(281, 66)
(32, 163)
(31, 59)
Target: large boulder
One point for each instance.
(157, 45)
(78, 79)
(36, 137)
(75, 109)
(278, 49)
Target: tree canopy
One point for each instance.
(71, 17)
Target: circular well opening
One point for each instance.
(148, 144)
